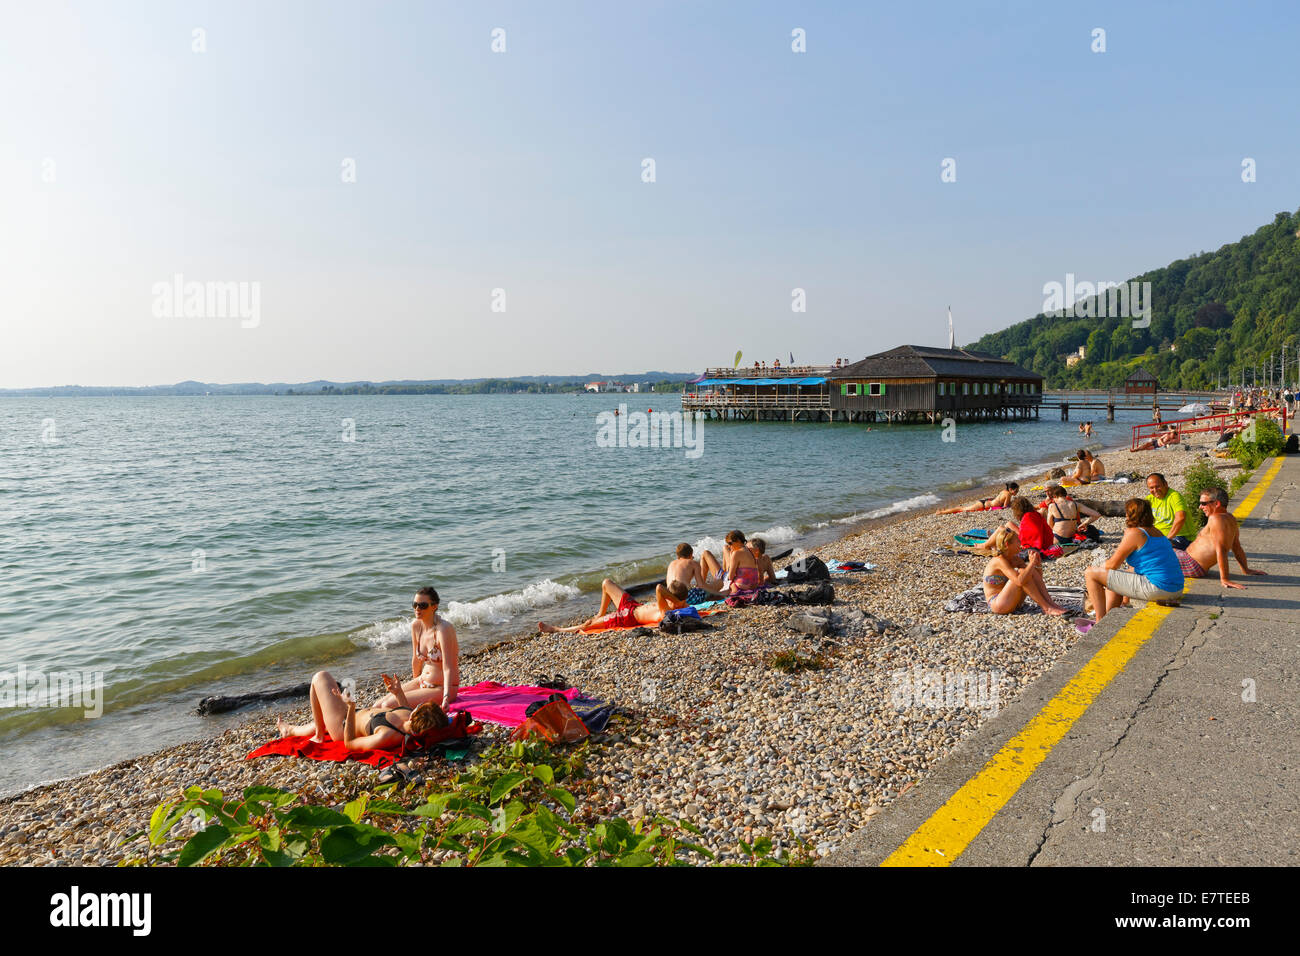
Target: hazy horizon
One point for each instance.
(356, 189)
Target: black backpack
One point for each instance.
(808, 568)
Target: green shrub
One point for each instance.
(1195, 480)
(1261, 439)
(505, 811)
(1237, 481)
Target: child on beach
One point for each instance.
(684, 569)
(767, 574)
(1008, 579)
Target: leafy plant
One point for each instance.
(507, 810)
(1238, 480)
(791, 662)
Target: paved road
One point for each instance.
(1185, 742)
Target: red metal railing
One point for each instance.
(1205, 423)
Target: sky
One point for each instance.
(401, 201)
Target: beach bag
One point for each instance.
(823, 593)
(684, 621)
(554, 721)
(807, 568)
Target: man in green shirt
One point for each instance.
(1168, 508)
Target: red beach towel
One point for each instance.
(334, 750)
(504, 704)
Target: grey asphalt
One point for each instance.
(1170, 765)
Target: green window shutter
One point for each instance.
(844, 389)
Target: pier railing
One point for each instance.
(793, 371)
(701, 400)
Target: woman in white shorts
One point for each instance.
(1156, 574)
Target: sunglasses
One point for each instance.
(421, 605)
(1205, 504)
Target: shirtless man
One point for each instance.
(629, 612)
(684, 569)
(1089, 469)
(1220, 535)
(767, 573)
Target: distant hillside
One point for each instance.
(441, 386)
(1211, 314)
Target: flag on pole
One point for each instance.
(952, 338)
(791, 358)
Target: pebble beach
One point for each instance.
(714, 734)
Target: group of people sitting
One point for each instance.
(1158, 557)
(745, 566)
(411, 707)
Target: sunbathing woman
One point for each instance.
(335, 713)
(629, 612)
(1001, 500)
(1008, 580)
(1063, 514)
(435, 656)
(743, 571)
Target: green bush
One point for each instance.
(505, 811)
(1195, 480)
(1238, 480)
(1262, 439)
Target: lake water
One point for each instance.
(180, 547)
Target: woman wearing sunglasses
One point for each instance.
(435, 656)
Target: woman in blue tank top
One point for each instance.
(1156, 574)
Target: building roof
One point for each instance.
(921, 361)
(1140, 375)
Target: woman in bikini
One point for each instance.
(1001, 500)
(435, 656)
(1008, 580)
(743, 572)
(334, 713)
(1063, 514)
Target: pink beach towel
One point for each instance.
(503, 704)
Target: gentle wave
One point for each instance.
(773, 536)
(907, 504)
(502, 608)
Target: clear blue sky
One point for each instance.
(522, 171)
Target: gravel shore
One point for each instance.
(720, 738)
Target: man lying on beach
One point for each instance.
(1001, 500)
(1168, 436)
(1220, 535)
(629, 613)
(767, 573)
(684, 569)
(1089, 468)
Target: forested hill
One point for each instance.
(1211, 315)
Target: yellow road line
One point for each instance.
(946, 834)
(1244, 509)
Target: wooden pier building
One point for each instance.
(911, 383)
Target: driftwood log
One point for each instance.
(1111, 509)
(224, 704)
